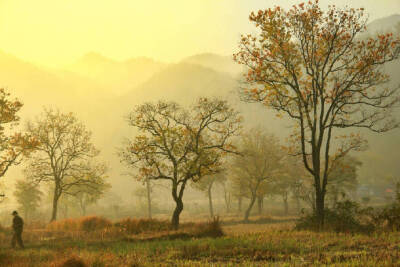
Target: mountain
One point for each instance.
(117, 76)
(386, 24)
(36, 86)
(183, 82)
(215, 62)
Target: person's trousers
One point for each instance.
(17, 239)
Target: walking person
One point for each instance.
(18, 227)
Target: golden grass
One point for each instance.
(255, 244)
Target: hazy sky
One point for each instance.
(56, 32)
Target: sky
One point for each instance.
(57, 32)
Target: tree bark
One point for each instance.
(285, 204)
(179, 203)
(148, 198)
(249, 208)
(55, 205)
(260, 203)
(210, 202)
(176, 214)
(320, 207)
(227, 197)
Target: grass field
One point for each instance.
(254, 244)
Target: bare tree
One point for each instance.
(180, 145)
(257, 166)
(64, 157)
(206, 185)
(28, 197)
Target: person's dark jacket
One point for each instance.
(18, 224)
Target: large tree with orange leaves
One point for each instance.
(314, 66)
(180, 145)
(12, 145)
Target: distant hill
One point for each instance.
(117, 76)
(36, 86)
(215, 62)
(386, 24)
(182, 82)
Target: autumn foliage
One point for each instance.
(13, 145)
(318, 68)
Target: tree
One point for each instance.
(89, 195)
(147, 194)
(343, 178)
(227, 189)
(206, 184)
(260, 160)
(289, 181)
(64, 157)
(12, 145)
(28, 197)
(180, 145)
(309, 64)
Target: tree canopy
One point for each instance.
(311, 65)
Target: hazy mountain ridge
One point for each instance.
(386, 24)
(216, 62)
(118, 76)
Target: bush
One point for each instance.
(345, 217)
(136, 226)
(210, 229)
(388, 218)
(90, 223)
(64, 225)
(93, 223)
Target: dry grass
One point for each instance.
(242, 245)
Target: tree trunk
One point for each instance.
(260, 203)
(285, 204)
(227, 197)
(210, 203)
(240, 204)
(84, 209)
(320, 208)
(298, 205)
(82, 204)
(148, 198)
(247, 213)
(55, 206)
(179, 203)
(176, 214)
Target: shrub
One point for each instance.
(210, 229)
(347, 216)
(64, 225)
(90, 223)
(136, 226)
(388, 218)
(93, 223)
